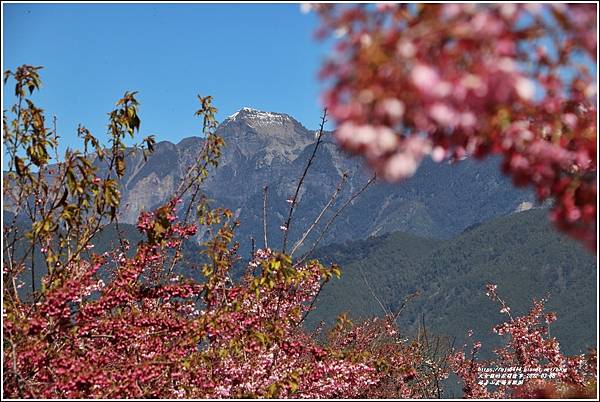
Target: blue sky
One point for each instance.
(261, 56)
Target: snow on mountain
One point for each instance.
(258, 116)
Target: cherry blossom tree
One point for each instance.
(453, 80)
(531, 363)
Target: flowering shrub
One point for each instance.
(531, 350)
(467, 79)
(137, 339)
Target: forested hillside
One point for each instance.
(521, 253)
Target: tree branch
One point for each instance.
(318, 219)
(337, 213)
(301, 181)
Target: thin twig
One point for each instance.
(424, 330)
(405, 302)
(265, 191)
(337, 213)
(14, 361)
(318, 219)
(301, 181)
(385, 311)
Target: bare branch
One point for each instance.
(337, 213)
(325, 208)
(265, 191)
(405, 302)
(301, 181)
(385, 310)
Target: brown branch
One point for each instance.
(405, 302)
(312, 303)
(337, 213)
(265, 191)
(301, 181)
(385, 311)
(318, 219)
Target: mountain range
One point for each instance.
(272, 149)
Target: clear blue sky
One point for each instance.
(261, 56)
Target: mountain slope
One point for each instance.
(520, 252)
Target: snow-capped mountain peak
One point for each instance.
(248, 113)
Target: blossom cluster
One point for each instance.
(528, 349)
(454, 80)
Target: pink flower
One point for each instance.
(525, 88)
(400, 166)
(424, 77)
(438, 154)
(443, 114)
(550, 318)
(393, 108)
